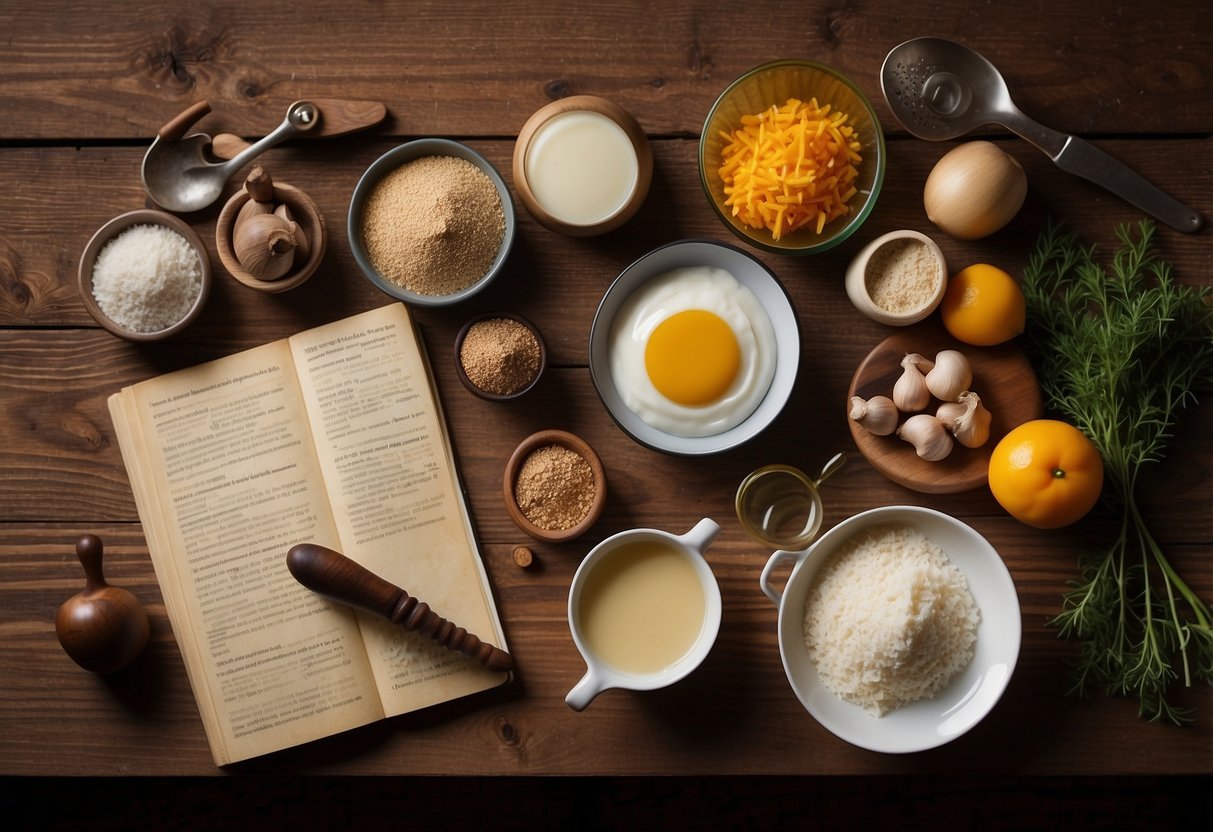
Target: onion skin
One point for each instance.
(974, 190)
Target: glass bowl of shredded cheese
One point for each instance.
(792, 157)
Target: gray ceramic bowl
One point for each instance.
(387, 163)
(750, 273)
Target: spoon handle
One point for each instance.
(1084, 159)
(335, 576)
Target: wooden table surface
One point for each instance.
(82, 94)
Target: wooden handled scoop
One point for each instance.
(335, 576)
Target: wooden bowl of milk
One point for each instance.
(582, 166)
(644, 610)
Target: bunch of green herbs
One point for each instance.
(1118, 354)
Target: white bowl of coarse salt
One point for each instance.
(145, 275)
(899, 628)
(898, 279)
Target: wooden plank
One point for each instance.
(735, 715)
(480, 68)
(44, 229)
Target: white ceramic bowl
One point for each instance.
(389, 162)
(749, 272)
(857, 283)
(970, 695)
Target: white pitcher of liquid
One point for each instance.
(644, 610)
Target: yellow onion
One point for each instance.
(974, 190)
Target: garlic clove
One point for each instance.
(972, 427)
(910, 393)
(878, 415)
(928, 435)
(949, 412)
(951, 375)
(265, 246)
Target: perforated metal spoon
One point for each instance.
(940, 90)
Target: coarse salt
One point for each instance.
(147, 278)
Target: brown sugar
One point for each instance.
(555, 488)
(434, 225)
(902, 276)
(500, 355)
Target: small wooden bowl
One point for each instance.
(303, 211)
(573, 443)
(107, 232)
(629, 125)
(1002, 376)
(471, 385)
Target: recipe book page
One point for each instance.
(225, 478)
(382, 446)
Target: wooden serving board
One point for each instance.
(1002, 377)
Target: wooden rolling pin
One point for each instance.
(335, 576)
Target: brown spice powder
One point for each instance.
(555, 488)
(902, 276)
(433, 225)
(500, 355)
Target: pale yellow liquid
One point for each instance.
(642, 607)
(581, 167)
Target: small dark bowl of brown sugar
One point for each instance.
(499, 356)
(554, 486)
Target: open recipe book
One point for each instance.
(334, 436)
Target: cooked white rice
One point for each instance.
(889, 619)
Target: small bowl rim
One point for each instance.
(396, 157)
(471, 385)
(108, 231)
(857, 220)
(630, 126)
(702, 445)
(292, 196)
(856, 279)
(514, 464)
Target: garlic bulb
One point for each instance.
(265, 246)
(929, 437)
(910, 393)
(951, 375)
(878, 415)
(972, 427)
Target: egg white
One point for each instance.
(694, 287)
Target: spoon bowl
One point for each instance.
(940, 90)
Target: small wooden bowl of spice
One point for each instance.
(554, 486)
(145, 275)
(898, 279)
(499, 356)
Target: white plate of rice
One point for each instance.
(907, 602)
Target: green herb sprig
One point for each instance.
(1118, 354)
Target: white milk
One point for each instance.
(581, 167)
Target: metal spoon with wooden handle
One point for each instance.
(335, 576)
(179, 174)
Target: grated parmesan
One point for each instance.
(147, 278)
(889, 619)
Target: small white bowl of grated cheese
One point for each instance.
(145, 275)
(899, 628)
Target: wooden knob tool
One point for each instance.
(335, 576)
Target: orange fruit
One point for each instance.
(1046, 473)
(983, 306)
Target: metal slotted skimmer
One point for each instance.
(941, 90)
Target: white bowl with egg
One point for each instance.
(966, 698)
(694, 348)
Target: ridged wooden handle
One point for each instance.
(335, 576)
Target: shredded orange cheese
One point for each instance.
(790, 167)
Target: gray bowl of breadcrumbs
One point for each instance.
(431, 222)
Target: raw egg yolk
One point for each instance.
(692, 357)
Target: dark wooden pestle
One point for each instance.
(104, 628)
(335, 576)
